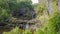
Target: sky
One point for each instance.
(34, 1)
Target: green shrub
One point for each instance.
(6, 33)
(27, 32)
(38, 31)
(16, 30)
(54, 24)
(58, 32)
(4, 15)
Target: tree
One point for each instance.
(4, 15)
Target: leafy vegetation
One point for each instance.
(16, 30)
(53, 24)
(12, 11)
(38, 31)
(27, 32)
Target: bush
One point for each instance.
(4, 15)
(27, 32)
(58, 32)
(16, 30)
(54, 24)
(6, 33)
(38, 31)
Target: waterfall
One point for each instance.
(49, 6)
(27, 26)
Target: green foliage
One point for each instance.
(16, 4)
(39, 9)
(27, 32)
(38, 31)
(9, 6)
(16, 30)
(6, 33)
(58, 32)
(21, 6)
(54, 24)
(4, 15)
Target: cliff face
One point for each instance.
(20, 12)
(24, 13)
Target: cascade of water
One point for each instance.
(49, 6)
(27, 26)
